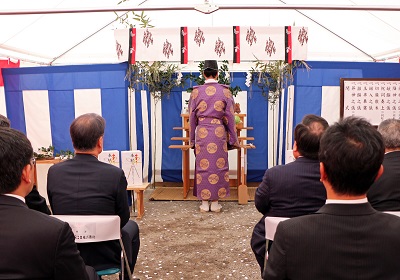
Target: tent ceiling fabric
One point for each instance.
(88, 38)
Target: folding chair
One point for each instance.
(396, 213)
(94, 228)
(271, 223)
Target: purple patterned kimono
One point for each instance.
(212, 130)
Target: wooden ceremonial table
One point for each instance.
(139, 190)
(185, 147)
(45, 161)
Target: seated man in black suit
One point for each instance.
(37, 202)
(293, 189)
(346, 238)
(34, 200)
(32, 245)
(384, 194)
(86, 186)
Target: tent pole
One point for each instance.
(74, 46)
(191, 8)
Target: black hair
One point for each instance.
(311, 118)
(352, 152)
(210, 73)
(15, 153)
(308, 135)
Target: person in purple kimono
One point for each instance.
(212, 134)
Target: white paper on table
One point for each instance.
(111, 157)
(132, 166)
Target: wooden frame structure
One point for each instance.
(185, 147)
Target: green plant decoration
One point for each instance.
(223, 77)
(44, 153)
(198, 79)
(159, 77)
(127, 18)
(271, 77)
(67, 154)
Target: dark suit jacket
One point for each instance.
(340, 241)
(85, 186)
(37, 202)
(384, 194)
(287, 190)
(36, 246)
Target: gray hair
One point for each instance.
(390, 131)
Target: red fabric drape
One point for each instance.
(6, 64)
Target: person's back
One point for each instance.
(293, 189)
(350, 242)
(93, 185)
(212, 134)
(34, 200)
(85, 186)
(32, 245)
(211, 106)
(384, 194)
(346, 238)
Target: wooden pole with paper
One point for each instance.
(243, 195)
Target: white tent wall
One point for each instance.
(88, 38)
(316, 92)
(84, 38)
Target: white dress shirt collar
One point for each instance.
(344, 201)
(210, 81)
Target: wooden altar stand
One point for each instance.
(185, 153)
(240, 182)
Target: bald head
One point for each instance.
(86, 130)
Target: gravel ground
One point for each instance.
(179, 242)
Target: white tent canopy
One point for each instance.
(80, 37)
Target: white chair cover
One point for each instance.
(396, 213)
(93, 228)
(270, 226)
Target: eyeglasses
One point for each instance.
(33, 161)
